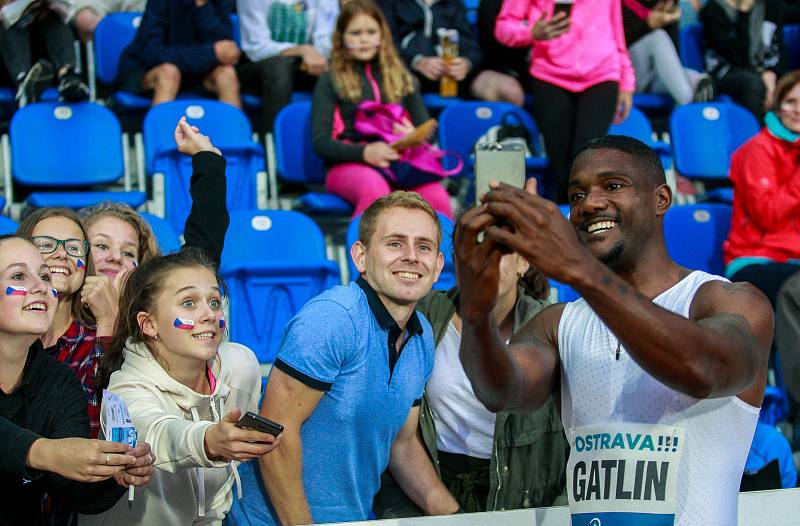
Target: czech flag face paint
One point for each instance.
(16, 291)
(183, 323)
(55, 292)
(222, 323)
(80, 263)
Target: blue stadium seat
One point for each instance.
(436, 103)
(472, 11)
(638, 126)
(563, 293)
(296, 162)
(7, 225)
(461, 125)
(770, 445)
(694, 234)
(274, 262)
(112, 35)
(229, 130)
(447, 279)
(791, 41)
(690, 40)
(168, 240)
(704, 136)
(55, 145)
(653, 103)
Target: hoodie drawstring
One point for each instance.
(237, 479)
(201, 477)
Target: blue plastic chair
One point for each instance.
(692, 52)
(461, 125)
(296, 162)
(694, 234)
(447, 279)
(653, 103)
(7, 225)
(229, 130)
(638, 126)
(168, 240)
(791, 41)
(68, 145)
(704, 136)
(769, 445)
(274, 262)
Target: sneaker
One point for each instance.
(71, 88)
(704, 91)
(34, 83)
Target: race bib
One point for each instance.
(624, 474)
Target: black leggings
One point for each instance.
(568, 120)
(17, 50)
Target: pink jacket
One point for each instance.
(592, 51)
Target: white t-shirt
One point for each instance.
(463, 424)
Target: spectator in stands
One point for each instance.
(349, 403)
(287, 45)
(466, 440)
(510, 64)
(742, 51)
(22, 36)
(182, 46)
(763, 246)
(364, 66)
(88, 13)
(787, 338)
(88, 304)
(415, 27)
(650, 346)
(43, 421)
(651, 28)
(185, 388)
(582, 75)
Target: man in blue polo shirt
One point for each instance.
(348, 380)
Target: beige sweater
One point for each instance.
(186, 487)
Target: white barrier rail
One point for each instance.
(756, 508)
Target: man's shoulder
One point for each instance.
(337, 305)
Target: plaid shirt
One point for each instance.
(80, 349)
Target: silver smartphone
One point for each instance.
(503, 162)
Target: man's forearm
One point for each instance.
(282, 473)
(412, 468)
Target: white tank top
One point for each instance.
(463, 424)
(596, 388)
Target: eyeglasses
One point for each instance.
(74, 247)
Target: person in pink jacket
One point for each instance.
(582, 75)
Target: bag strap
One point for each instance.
(376, 89)
(459, 162)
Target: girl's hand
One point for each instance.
(225, 441)
(98, 293)
(624, 105)
(432, 68)
(403, 128)
(545, 29)
(80, 459)
(190, 141)
(380, 154)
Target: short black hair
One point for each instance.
(647, 160)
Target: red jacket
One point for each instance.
(765, 172)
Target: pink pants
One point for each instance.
(360, 184)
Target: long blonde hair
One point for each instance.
(397, 82)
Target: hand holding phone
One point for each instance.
(258, 423)
(499, 161)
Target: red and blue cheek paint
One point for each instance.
(12, 290)
(80, 263)
(183, 323)
(55, 292)
(222, 323)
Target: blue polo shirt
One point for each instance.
(343, 342)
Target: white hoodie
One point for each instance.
(186, 487)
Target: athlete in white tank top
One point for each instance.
(661, 369)
(600, 385)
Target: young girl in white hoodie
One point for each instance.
(185, 389)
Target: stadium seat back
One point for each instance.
(692, 53)
(791, 41)
(113, 34)
(274, 261)
(229, 130)
(168, 240)
(637, 125)
(694, 234)
(704, 136)
(7, 225)
(447, 279)
(57, 145)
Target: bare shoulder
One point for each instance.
(542, 329)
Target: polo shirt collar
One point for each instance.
(385, 319)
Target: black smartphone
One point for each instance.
(500, 161)
(562, 7)
(258, 423)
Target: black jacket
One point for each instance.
(414, 24)
(636, 28)
(50, 403)
(208, 219)
(179, 32)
